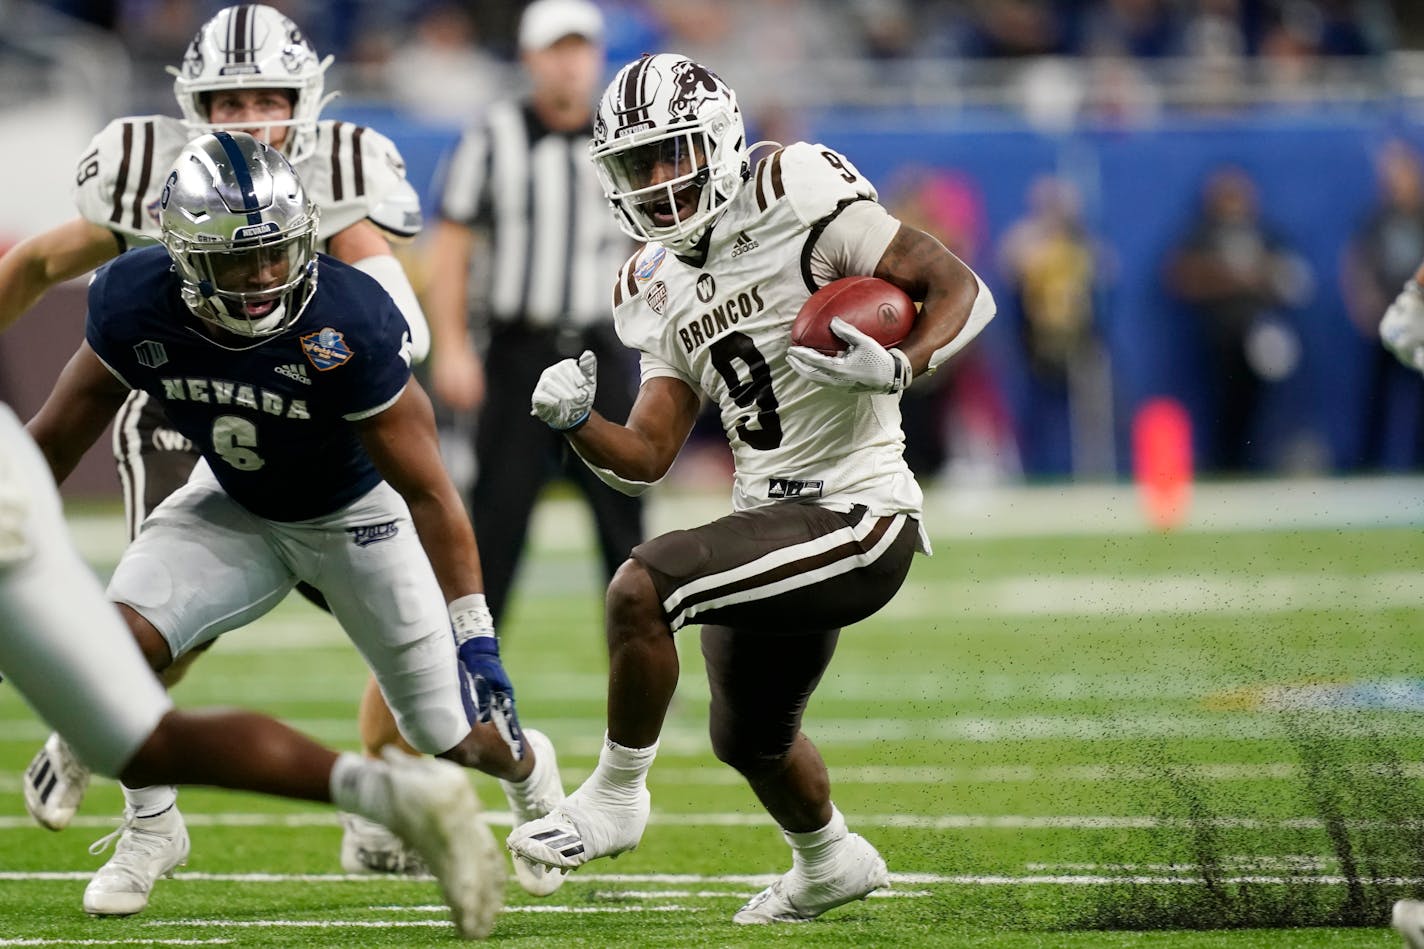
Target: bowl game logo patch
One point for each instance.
(326, 348)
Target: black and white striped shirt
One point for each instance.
(555, 247)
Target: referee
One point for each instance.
(520, 188)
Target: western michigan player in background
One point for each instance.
(248, 68)
(826, 510)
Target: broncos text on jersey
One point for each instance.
(724, 328)
(353, 174)
(272, 420)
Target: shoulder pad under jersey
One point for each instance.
(356, 173)
(119, 177)
(813, 178)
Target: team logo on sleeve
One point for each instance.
(657, 297)
(150, 354)
(326, 348)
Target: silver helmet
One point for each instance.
(242, 232)
(253, 46)
(670, 149)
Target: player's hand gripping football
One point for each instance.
(865, 366)
(563, 397)
(1402, 328)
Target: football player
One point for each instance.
(73, 660)
(826, 512)
(290, 373)
(1402, 328)
(249, 68)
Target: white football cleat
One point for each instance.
(793, 898)
(369, 847)
(54, 784)
(147, 848)
(580, 829)
(531, 799)
(434, 810)
(1408, 921)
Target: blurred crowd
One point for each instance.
(1230, 270)
(1125, 55)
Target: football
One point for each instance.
(878, 309)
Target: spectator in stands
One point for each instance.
(1053, 269)
(956, 421)
(1382, 257)
(1241, 281)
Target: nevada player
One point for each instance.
(73, 660)
(250, 68)
(289, 371)
(826, 510)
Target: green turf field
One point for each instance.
(1066, 731)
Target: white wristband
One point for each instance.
(471, 618)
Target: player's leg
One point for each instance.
(775, 570)
(368, 846)
(404, 634)
(199, 568)
(153, 460)
(513, 450)
(760, 685)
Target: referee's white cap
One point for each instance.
(545, 22)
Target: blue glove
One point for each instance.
(488, 685)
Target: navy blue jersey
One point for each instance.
(274, 421)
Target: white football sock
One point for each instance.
(813, 852)
(150, 801)
(358, 786)
(622, 772)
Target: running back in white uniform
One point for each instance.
(724, 330)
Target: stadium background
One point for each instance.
(1132, 103)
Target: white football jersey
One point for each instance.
(724, 329)
(354, 173)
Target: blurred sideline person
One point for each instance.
(290, 372)
(1402, 328)
(73, 660)
(826, 511)
(248, 68)
(520, 182)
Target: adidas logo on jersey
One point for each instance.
(742, 244)
(794, 488)
(296, 372)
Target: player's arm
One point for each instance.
(364, 246)
(403, 444)
(628, 457)
(39, 262)
(954, 303)
(456, 372)
(84, 400)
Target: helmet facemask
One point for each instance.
(253, 46)
(670, 150)
(242, 235)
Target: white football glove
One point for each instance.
(564, 396)
(865, 366)
(1402, 329)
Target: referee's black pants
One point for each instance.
(518, 454)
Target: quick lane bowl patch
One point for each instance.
(326, 348)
